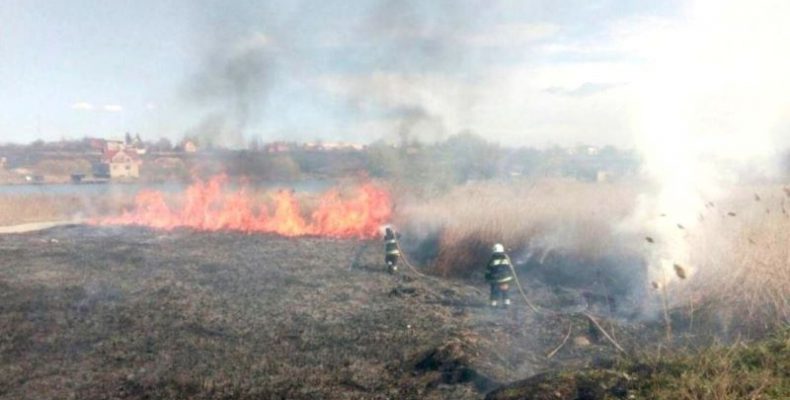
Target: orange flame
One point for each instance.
(206, 205)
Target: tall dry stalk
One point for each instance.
(742, 262)
(543, 215)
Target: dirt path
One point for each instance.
(35, 226)
(132, 313)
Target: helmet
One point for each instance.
(498, 248)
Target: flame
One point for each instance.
(209, 206)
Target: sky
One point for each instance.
(518, 72)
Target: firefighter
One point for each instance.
(391, 249)
(499, 276)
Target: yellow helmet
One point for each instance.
(498, 248)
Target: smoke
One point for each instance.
(231, 86)
(383, 62)
(417, 125)
(410, 48)
(712, 98)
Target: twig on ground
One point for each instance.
(567, 335)
(605, 334)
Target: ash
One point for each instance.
(131, 313)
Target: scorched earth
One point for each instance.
(132, 313)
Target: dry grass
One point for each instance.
(20, 209)
(756, 370)
(739, 252)
(742, 262)
(545, 215)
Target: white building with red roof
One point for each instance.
(122, 164)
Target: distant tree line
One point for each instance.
(468, 157)
(460, 158)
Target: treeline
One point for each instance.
(468, 157)
(461, 158)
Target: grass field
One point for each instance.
(739, 251)
(92, 312)
(759, 370)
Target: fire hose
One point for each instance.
(529, 303)
(518, 285)
(408, 264)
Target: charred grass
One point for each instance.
(129, 313)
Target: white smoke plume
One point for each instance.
(714, 94)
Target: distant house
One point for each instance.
(3, 162)
(122, 164)
(189, 146)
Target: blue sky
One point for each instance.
(522, 72)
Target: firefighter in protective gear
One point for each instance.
(499, 275)
(391, 249)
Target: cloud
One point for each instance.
(86, 106)
(511, 35)
(112, 108)
(585, 89)
(254, 42)
(82, 106)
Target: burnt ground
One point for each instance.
(130, 313)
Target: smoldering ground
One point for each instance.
(554, 240)
(89, 312)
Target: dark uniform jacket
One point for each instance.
(499, 269)
(391, 245)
